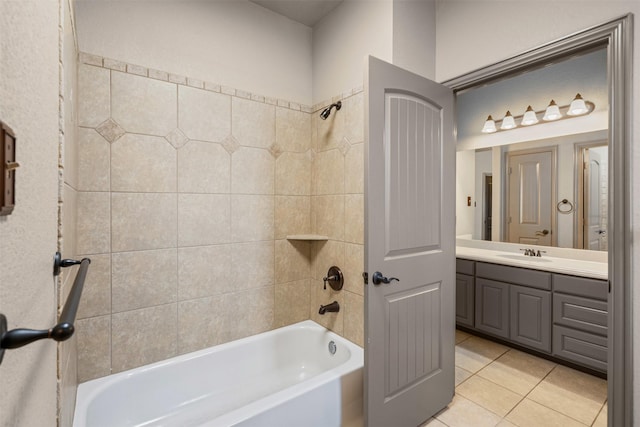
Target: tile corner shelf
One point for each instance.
(309, 237)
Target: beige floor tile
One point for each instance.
(519, 372)
(461, 375)
(433, 422)
(475, 353)
(489, 395)
(601, 420)
(531, 414)
(505, 423)
(461, 336)
(462, 412)
(571, 392)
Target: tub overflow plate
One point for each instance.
(332, 347)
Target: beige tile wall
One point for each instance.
(337, 211)
(187, 191)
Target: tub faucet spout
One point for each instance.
(333, 307)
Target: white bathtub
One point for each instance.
(285, 377)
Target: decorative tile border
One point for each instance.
(138, 70)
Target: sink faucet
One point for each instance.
(333, 307)
(533, 252)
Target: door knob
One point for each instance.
(378, 278)
(542, 233)
(602, 232)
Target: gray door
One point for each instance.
(409, 235)
(530, 198)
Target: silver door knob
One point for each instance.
(602, 232)
(378, 278)
(542, 233)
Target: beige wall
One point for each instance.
(235, 43)
(343, 38)
(29, 84)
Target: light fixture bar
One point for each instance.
(540, 115)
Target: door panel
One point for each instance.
(413, 162)
(593, 196)
(409, 235)
(530, 198)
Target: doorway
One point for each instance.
(487, 197)
(616, 37)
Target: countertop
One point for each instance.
(574, 267)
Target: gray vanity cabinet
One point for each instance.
(560, 315)
(580, 320)
(492, 307)
(514, 304)
(530, 311)
(465, 290)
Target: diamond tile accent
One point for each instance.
(230, 144)
(275, 150)
(110, 130)
(344, 145)
(177, 138)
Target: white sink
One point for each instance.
(524, 258)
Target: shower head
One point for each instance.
(325, 113)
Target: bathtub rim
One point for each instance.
(89, 390)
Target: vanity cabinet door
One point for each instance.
(464, 299)
(530, 311)
(492, 307)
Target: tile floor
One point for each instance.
(500, 386)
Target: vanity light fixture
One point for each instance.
(529, 117)
(508, 122)
(553, 112)
(489, 125)
(578, 107)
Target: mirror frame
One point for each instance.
(616, 37)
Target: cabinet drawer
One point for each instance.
(465, 266)
(581, 286)
(519, 276)
(581, 313)
(580, 347)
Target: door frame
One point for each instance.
(617, 37)
(578, 190)
(553, 149)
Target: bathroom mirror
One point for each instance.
(543, 184)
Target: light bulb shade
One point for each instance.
(508, 122)
(529, 117)
(578, 106)
(552, 112)
(489, 126)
